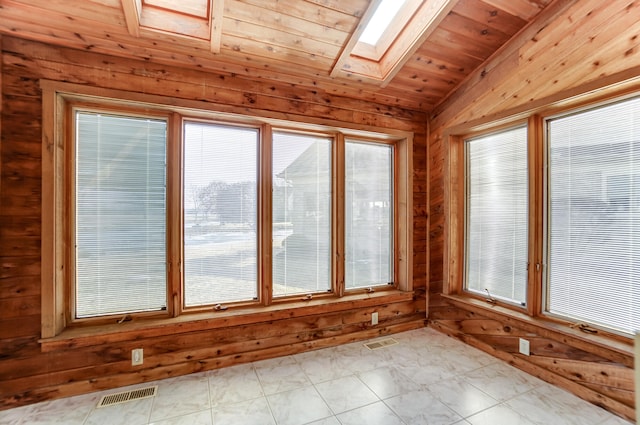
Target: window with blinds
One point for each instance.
(369, 214)
(220, 195)
(593, 250)
(496, 215)
(120, 214)
(301, 227)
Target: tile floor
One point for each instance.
(427, 378)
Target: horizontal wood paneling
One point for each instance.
(573, 47)
(593, 377)
(31, 372)
(286, 40)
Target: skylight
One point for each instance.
(380, 21)
(394, 30)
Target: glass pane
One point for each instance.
(594, 216)
(220, 213)
(120, 214)
(301, 214)
(369, 214)
(496, 215)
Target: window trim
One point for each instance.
(58, 96)
(574, 100)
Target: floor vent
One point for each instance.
(123, 397)
(381, 344)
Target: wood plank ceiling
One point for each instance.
(292, 41)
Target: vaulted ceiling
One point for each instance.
(298, 42)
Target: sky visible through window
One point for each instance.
(384, 14)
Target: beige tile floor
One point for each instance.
(427, 378)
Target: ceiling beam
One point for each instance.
(215, 23)
(132, 10)
(423, 24)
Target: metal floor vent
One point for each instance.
(123, 397)
(381, 344)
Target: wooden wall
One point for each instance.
(27, 374)
(574, 47)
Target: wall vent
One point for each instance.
(123, 397)
(381, 344)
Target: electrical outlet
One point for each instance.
(137, 356)
(374, 318)
(524, 347)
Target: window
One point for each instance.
(301, 219)
(593, 253)
(496, 215)
(220, 213)
(120, 214)
(545, 218)
(369, 215)
(159, 211)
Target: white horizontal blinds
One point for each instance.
(369, 214)
(594, 216)
(301, 197)
(496, 215)
(220, 213)
(120, 180)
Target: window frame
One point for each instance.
(545, 244)
(396, 227)
(475, 293)
(70, 182)
(534, 315)
(59, 100)
(178, 139)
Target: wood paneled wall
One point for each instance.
(27, 374)
(575, 47)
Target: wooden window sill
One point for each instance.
(85, 336)
(615, 348)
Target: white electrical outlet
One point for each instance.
(137, 356)
(374, 318)
(524, 347)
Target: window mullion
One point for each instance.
(175, 253)
(536, 214)
(338, 216)
(265, 216)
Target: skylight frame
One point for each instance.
(407, 31)
(150, 18)
(195, 8)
